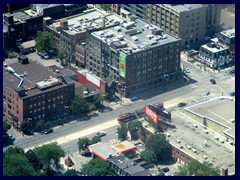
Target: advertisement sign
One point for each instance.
(152, 115)
(122, 64)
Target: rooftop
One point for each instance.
(214, 47)
(128, 165)
(184, 7)
(31, 74)
(203, 143)
(133, 36)
(78, 23)
(230, 33)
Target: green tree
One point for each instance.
(122, 132)
(40, 124)
(25, 125)
(49, 156)
(198, 169)
(71, 172)
(105, 7)
(6, 127)
(33, 159)
(96, 167)
(97, 98)
(15, 163)
(160, 146)
(133, 126)
(79, 105)
(44, 41)
(83, 143)
(149, 155)
(95, 140)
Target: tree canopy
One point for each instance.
(49, 156)
(79, 105)
(6, 127)
(149, 155)
(83, 143)
(122, 132)
(15, 163)
(106, 7)
(96, 167)
(95, 140)
(195, 168)
(160, 146)
(44, 41)
(132, 126)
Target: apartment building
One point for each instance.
(135, 54)
(33, 92)
(70, 33)
(186, 21)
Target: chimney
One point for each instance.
(64, 24)
(224, 171)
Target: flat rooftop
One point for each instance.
(220, 111)
(78, 23)
(200, 142)
(133, 36)
(215, 48)
(184, 7)
(35, 73)
(230, 33)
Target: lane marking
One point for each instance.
(79, 134)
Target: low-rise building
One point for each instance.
(214, 55)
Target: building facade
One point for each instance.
(214, 55)
(34, 95)
(135, 54)
(186, 21)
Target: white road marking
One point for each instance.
(80, 134)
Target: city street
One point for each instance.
(175, 93)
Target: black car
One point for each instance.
(181, 104)
(213, 81)
(48, 131)
(166, 169)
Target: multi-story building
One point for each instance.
(213, 17)
(138, 10)
(33, 92)
(70, 33)
(26, 22)
(135, 54)
(227, 37)
(186, 21)
(214, 55)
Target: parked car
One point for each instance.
(48, 131)
(181, 104)
(232, 71)
(43, 55)
(101, 133)
(166, 169)
(213, 81)
(134, 98)
(11, 139)
(232, 93)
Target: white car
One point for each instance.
(101, 133)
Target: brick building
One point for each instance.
(135, 54)
(33, 92)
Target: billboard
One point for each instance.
(122, 64)
(152, 115)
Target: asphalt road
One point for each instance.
(190, 91)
